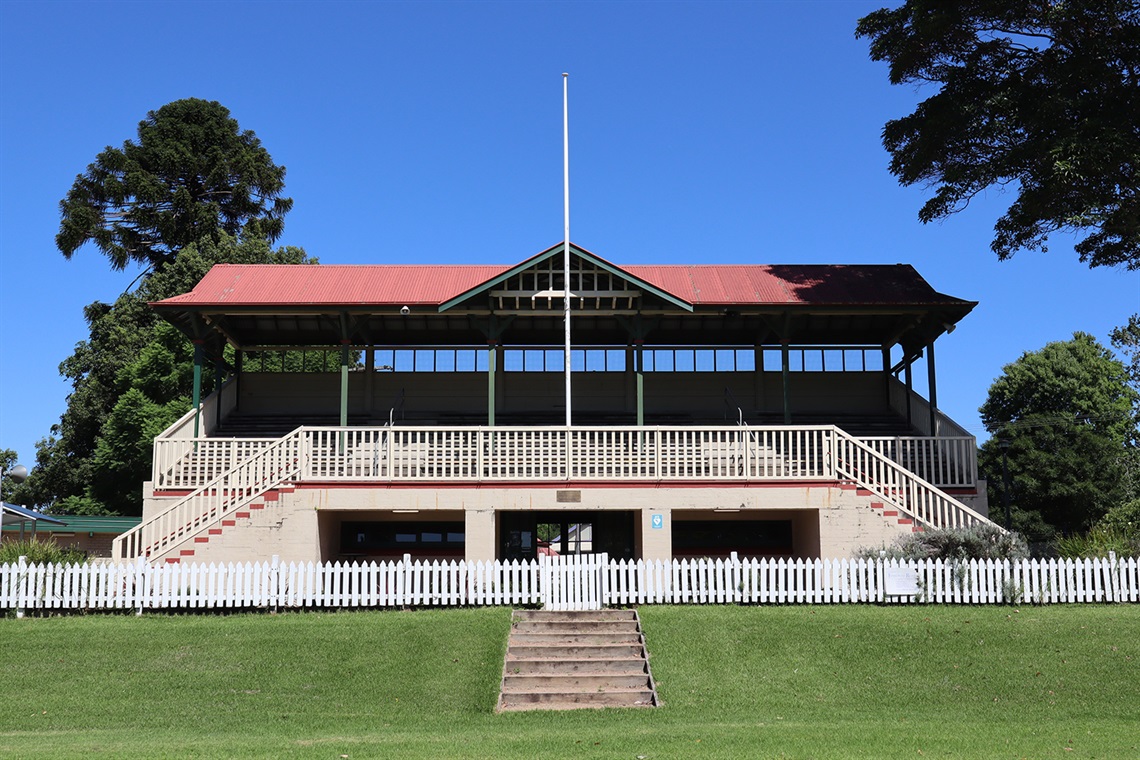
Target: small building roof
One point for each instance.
(81, 524)
(15, 515)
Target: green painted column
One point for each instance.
(930, 376)
(886, 375)
(785, 369)
(218, 392)
(199, 354)
(909, 390)
(344, 356)
(639, 370)
(239, 365)
(492, 345)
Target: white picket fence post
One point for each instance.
(21, 589)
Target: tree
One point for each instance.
(1126, 340)
(9, 489)
(130, 379)
(1043, 97)
(1070, 417)
(193, 175)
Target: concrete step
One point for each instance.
(561, 626)
(574, 652)
(576, 701)
(573, 660)
(625, 666)
(574, 683)
(572, 637)
(595, 616)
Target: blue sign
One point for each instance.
(657, 521)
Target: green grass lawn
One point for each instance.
(803, 682)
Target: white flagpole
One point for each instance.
(566, 238)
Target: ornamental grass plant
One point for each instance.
(39, 551)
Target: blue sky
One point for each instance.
(431, 133)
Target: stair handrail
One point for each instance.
(731, 403)
(903, 489)
(216, 499)
(750, 435)
(398, 406)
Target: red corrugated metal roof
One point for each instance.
(823, 284)
(389, 285)
(321, 284)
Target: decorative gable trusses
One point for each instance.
(536, 287)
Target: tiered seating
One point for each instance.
(858, 425)
(240, 425)
(243, 425)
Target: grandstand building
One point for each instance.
(377, 411)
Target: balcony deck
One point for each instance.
(476, 454)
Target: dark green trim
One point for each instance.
(344, 359)
(930, 375)
(197, 396)
(639, 364)
(492, 347)
(785, 369)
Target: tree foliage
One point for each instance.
(1043, 97)
(1070, 419)
(193, 175)
(193, 191)
(130, 379)
(1126, 340)
(10, 491)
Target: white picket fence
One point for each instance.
(585, 582)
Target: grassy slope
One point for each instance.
(761, 682)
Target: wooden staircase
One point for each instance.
(574, 660)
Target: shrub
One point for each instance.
(1123, 519)
(974, 542)
(39, 552)
(1098, 542)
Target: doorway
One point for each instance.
(526, 535)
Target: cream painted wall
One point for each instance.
(303, 525)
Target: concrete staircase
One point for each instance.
(890, 515)
(237, 537)
(574, 660)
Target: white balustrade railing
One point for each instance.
(945, 462)
(206, 506)
(578, 582)
(518, 453)
(188, 463)
(238, 470)
(559, 453)
(899, 487)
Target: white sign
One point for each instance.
(657, 521)
(900, 581)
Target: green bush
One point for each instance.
(40, 552)
(1123, 519)
(974, 542)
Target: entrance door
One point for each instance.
(529, 535)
